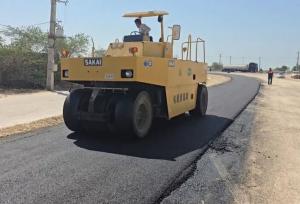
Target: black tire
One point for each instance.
(71, 106)
(142, 114)
(122, 117)
(132, 116)
(201, 101)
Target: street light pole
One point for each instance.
(93, 48)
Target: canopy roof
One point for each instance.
(146, 14)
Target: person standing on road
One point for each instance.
(270, 76)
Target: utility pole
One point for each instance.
(51, 45)
(93, 48)
(220, 58)
(230, 60)
(259, 63)
(297, 65)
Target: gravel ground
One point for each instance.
(4, 92)
(272, 173)
(214, 80)
(27, 127)
(25, 108)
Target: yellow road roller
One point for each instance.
(137, 80)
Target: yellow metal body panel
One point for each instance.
(182, 86)
(146, 49)
(157, 49)
(179, 77)
(119, 49)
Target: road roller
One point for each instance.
(136, 81)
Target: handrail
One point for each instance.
(188, 49)
(203, 47)
(190, 46)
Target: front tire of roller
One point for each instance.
(71, 106)
(142, 114)
(122, 117)
(201, 101)
(133, 116)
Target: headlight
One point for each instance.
(65, 73)
(127, 73)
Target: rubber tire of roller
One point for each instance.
(143, 104)
(70, 107)
(201, 101)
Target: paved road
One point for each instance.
(54, 165)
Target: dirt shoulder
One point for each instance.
(256, 160)
(4, 92)
(214, 79)
(27, 127)
(24, 110)
(272, 165)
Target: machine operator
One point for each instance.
(143, 28)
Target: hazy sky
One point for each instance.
(243, 29)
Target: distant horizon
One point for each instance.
(241, 31)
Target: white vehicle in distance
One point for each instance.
(280, 75)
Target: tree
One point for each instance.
(77, 45)
(23, 59)
(33, 39)
(100, 52)
(26, 39)
(1, 42)
(295, 68)
(283, 68)
(216, 66)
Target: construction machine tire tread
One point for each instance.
(142, 114)
(71, 105)
(122, 117)
(201, 101)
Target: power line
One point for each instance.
(37, 24)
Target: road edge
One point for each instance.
(189, 171)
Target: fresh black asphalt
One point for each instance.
(54, 165)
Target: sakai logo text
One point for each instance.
(93, 62)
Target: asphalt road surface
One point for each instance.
(54, 165)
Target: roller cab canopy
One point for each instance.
(145, 14)
(159, 14)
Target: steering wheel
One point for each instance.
(135, 33)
